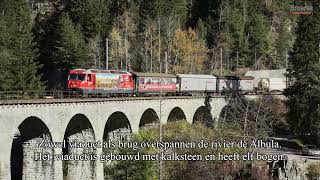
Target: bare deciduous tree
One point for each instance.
(95, 52)
(257, 117)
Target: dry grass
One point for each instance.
(314, 171)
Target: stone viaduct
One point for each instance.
(24, 125)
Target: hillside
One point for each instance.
(190, 36)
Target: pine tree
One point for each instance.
(4, 56)
(259, 45)
(304, 98)
(236, 22)
(202, 30)
(92, 16)
(45, 33)
(18, 52)
(282, 45)
(284, 41)
(72, 51)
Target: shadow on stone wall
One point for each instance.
(176, 114)
(203, 113)
(25, 146)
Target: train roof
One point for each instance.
(100, 71)
(227, 77)
(236, 77)
(277, 73)
(196, 76)
(108, 71)
(246, 77)
(139, 74)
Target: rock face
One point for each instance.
(295, 169)
(77, 169)
(31, 168)
(121, 134)
(24, 164)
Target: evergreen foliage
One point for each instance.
(46, 36)
(304, 96)
(91, 15)
(71, 47)
(73, 34)
(19, 68)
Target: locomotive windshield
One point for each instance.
(80, 77)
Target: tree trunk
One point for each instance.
(151, 49)
(159, 44)
(220, 61)
(126, 40)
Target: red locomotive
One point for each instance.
(94, 81)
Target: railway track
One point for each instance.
(86, 100)
(51, 97)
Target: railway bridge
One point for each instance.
(25, 124)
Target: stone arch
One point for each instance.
(226, 113)
(116, 130)
(25, 148)
(149, 118)
(176, 114)
(203, 115)
(79, 129)
(117, 126)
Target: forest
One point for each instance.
(41, 40)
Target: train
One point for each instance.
(124, 83)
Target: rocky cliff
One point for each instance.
(295, 169)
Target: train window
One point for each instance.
(81, 77)
(141, 80)
(89, 77)
(72, 77)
